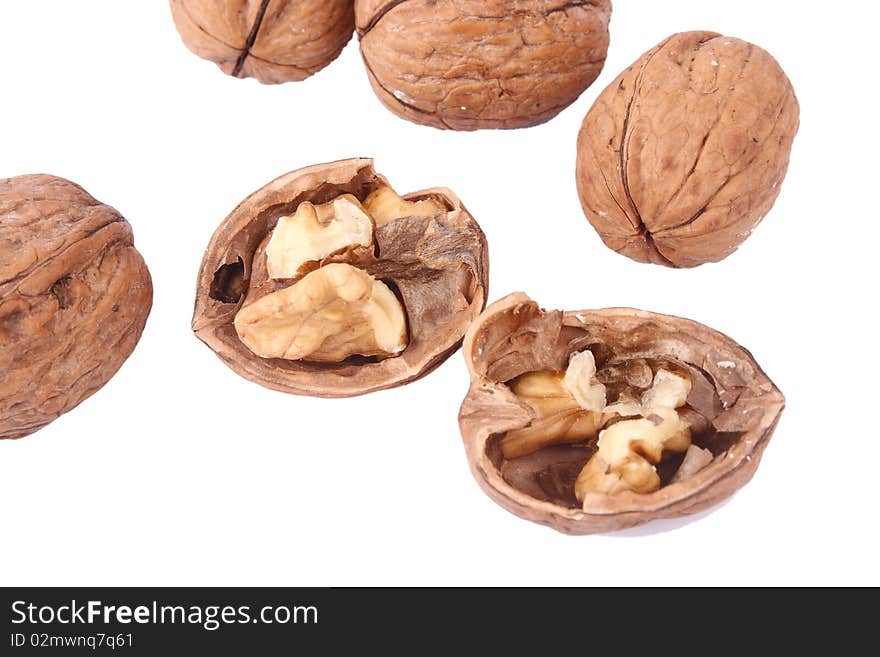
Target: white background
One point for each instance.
(179, 472)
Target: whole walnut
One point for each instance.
(471, 64)
(271, 40)
(74, 297)
(684, 153)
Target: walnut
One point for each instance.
(558, 418)
(315, 232)
(271, 40)
(629, 451)
(304, 290)
(74, 298)
(684, 153)
(580, 380)
(571, 408)
(385, 205)
(664, 446)
(471, 64)
(334, 312)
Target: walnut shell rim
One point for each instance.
(75, 295)
(236, 240)
(481, 65)
(490, 409)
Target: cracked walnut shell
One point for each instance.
(74, 297)
(684, 153)
(360, 315)
(472, 64)
(271, 40)
(728, 411)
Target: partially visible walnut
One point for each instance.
(74, 297)
(334, 312)
(325, 282)
(685, 152)
(471, 64)
(669, 444)
(271, 40)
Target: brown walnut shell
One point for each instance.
(271, 40)
(738, 404)
(472, 64)
(74, 298)
(684, 153)
(438, 266)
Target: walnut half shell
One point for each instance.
(732, 406)
(472, 64)
(74, 297)
(429, 258)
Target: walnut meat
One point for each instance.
(74, 298)
(327, 283)
(471, 64)
(684, 153)
(676, 417)
(271, 40)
